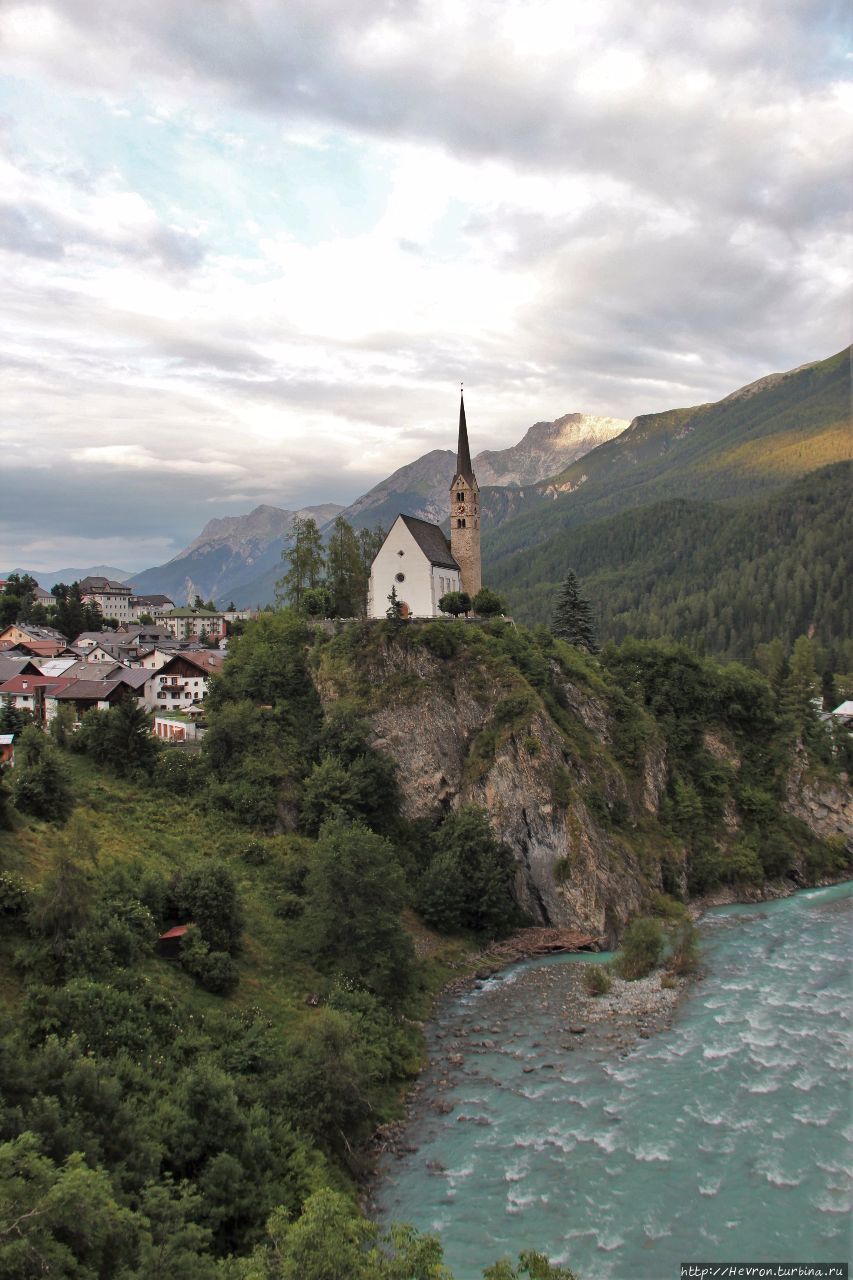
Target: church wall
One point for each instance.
(420, 588)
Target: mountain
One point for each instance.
(46, 578)
(420, 488)
(756, 439)
(239, 557)
(228, 555)
(719, 576)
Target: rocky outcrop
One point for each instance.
(824, 805)
(583, 828)
(443, 731)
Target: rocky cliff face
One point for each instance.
(825, 806)
(585, 830)
(443, 727)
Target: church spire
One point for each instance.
(463, 453)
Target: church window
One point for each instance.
(460, 524)
(401, 553)
(401, 577)
(460, 497)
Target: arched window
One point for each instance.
(460, 497)
(460, 524)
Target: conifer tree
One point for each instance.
(344, 576)
(305, 559)
(572, 620)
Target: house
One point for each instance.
(26, 693)
(30, 693)
(7, 749)
(45, 598)
(201, 623)
(417, 562)
(183, 680)
(155, 606)
(87, 695)
(26, 633)
(112, 598)
(844, 714)
(17, 664)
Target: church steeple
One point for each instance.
(463, 453)
(465, 512)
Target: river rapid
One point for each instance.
(726, 1137)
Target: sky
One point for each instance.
(249, 249)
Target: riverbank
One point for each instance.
(629, 1012)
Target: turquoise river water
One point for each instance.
(725, 1138)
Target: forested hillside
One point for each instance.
(721, 577)
(757, 439)
(205, 1112)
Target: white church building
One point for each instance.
(417, 562)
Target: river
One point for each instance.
(725, 1137)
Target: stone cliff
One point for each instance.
(544, 754)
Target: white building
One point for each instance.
(112, 598)
(415, 560)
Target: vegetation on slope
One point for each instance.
(752, 441)
(719, 577)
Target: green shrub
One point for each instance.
(743, 865)
(596, 980)
(442, 639)
(14, 894)
(684, 958)
(213, 970)
(487, 603)
(642, 947)
(668, 908)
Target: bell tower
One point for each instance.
(465, 512)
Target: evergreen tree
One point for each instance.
(305, 560)
(40, 785)
(394, 612)
(352, 921)
(572, 620)
(344, 575)
(487, 603)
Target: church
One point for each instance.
(418, 562)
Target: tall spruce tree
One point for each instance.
(572, 619)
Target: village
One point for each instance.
(164, 665)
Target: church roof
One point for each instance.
(431, 541)
(463, 452)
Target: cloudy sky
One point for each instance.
(249, 248)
